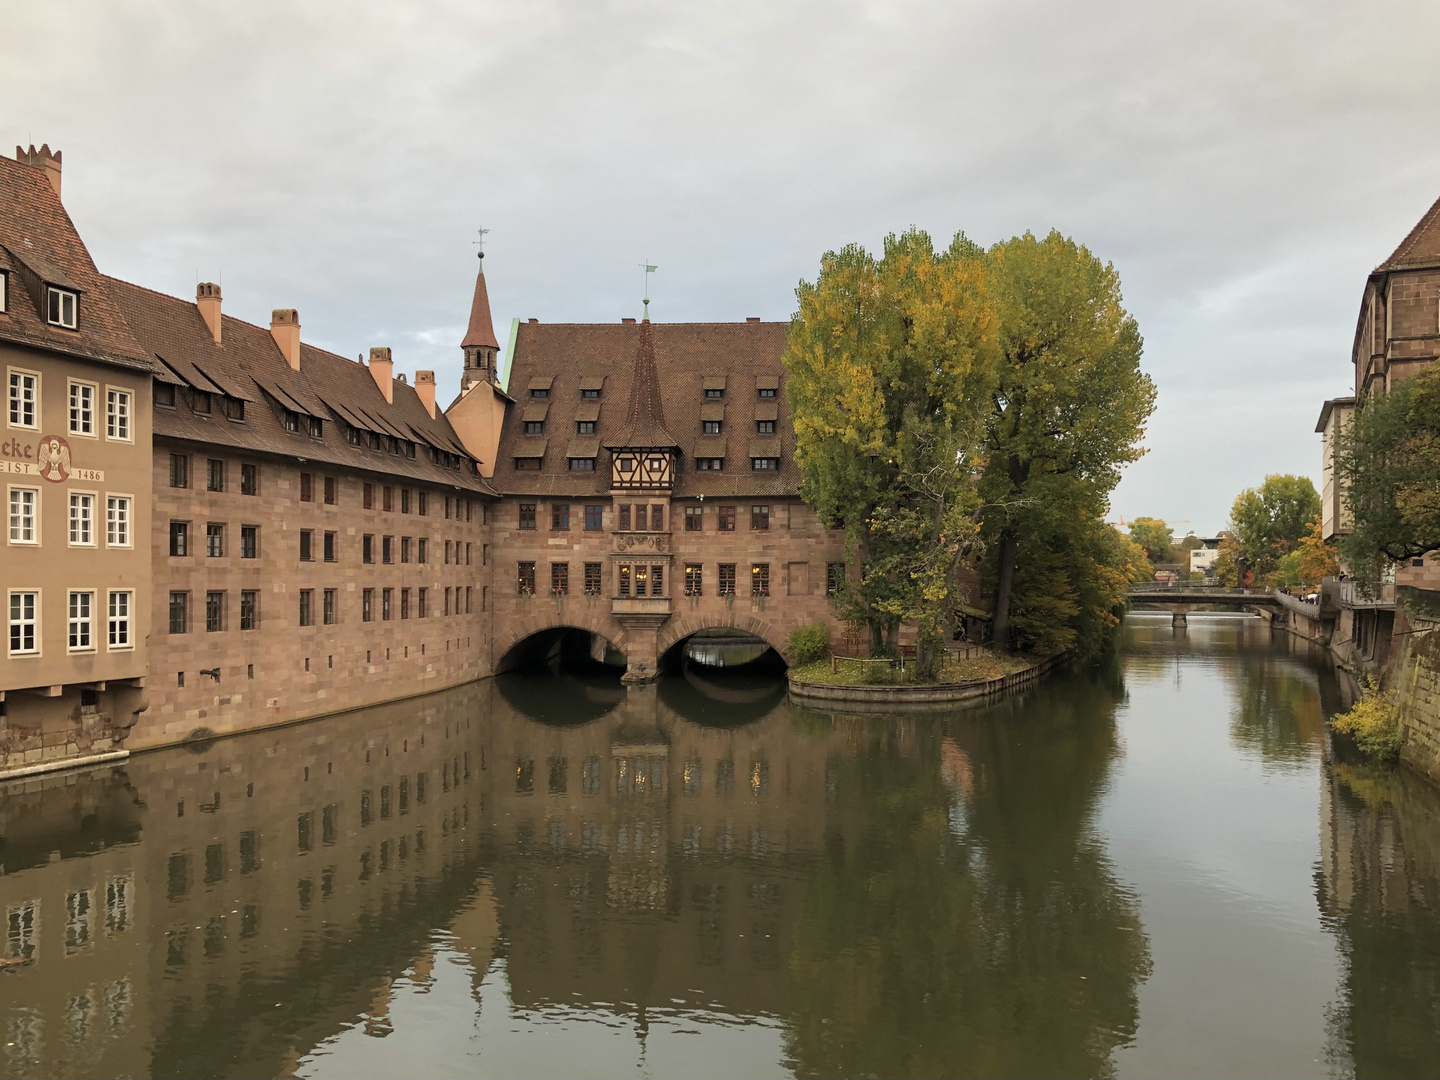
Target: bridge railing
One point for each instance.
(1161, 587)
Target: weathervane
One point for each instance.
(481, 242)
(649, 269)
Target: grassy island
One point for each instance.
(976, 669)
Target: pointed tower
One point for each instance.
(482, 351)
(643, 453)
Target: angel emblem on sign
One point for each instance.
(53, 459)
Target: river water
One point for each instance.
(1157, 869)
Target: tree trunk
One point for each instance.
(877, 643)
(1001, 626)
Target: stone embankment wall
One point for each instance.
(1417, 685)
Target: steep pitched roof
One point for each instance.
(249, 365)
(39, 246)
(645, 419)
(1421, 247)
(481, 330)
(736, 358)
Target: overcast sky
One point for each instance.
(1244, 165)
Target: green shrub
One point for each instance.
(809, 643)
(1373, 722)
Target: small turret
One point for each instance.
(481, 349)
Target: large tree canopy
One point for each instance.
(1068, 408)
(1388, 464)
(1154, 536)
(1270, 520)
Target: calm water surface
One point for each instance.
(1159, 869)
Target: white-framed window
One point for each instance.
(117, 520)
(4, 290)
(24, 622)
(119, 623)
(62, 308)
(82, 408)
(82, 619)
(82, 519)
(117, 414)
(24, 515)
(24, 397)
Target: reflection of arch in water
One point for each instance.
(543, 642)
(565, 699)
(715, 697)
(673, 637)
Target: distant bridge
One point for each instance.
(1181, 600)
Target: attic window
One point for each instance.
(62, 308)
(165, 394)
(4, 290)
(540, 392)
(527, 464)
(317, 428)
(710, 427)
(410, 450)
(710, 464)
(765, 464)
(374, 440)
(586, 393)
(534, 427)
(355, 435)
(713, 393)
(394, 444)
(766, 391)
(235, 409)
(292, 421)
(200, 401)
(584, 427)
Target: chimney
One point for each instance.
(207, 299)
(42, 159)
(425, 387)
(382, 370)
(285, 329)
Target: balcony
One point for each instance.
(1352, 597)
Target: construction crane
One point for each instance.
(1164, 521)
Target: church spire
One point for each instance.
(645, 419)
(481, 348)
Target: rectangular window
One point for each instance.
(594, 518)
(694, 518)
(710, 427)
(526, 579)
(367, 548)
(467, 599)
(693, 579)
(119, 624)
(447, 600)
(117, 520)
(759, 518)
(214, 540)
(23, 521)
(24, 398)
(447, 552)
(710, 464)
(249, 541)
(404, 549)
(559, 579)
(582, 464)
(764, 427)
(534, 427)
(467, 553)
(82, 519)
(200, 402)
(623, 584)
(527, 464)
(657, 580)
(642, 518)
(24, 623)
(766, 392)
(447, 507)
(235, 409)
(249, 609)
(657, 518)
(307, 547)
(80, 621)
(62, 308)
(214, 474)
(527, 515)
(307, 487)
(760, 579)
(594, 572)
(422, 503)
(214, 612)
(385, 595)
(330, 541)
(727, 579)
(725, 519)
(764, 464)
(367, 600)
(560, 517)
(317, 427)
(584, 427)
(328, 611)
(367, 496)
(117, 414)
(422, 549)
(387, 499)
(624, 525)
(420, 595)
(179, 471)
(714, 393)
(179, 539)
(82, 408)
(249, 480)
(330, 485)
(307, 607)
(404, 500)
(404, 603)
(387, 549)
(179, 612)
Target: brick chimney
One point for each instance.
(382, 370)
(285, 329)
(425, 387)
(42, 159)
(207, 299)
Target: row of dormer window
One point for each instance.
(707, 427)
(712, 393)
(62, 306)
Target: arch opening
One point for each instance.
(722, 650)
(570, 649)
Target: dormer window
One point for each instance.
(710, 427)
(394, 445)
(235, 409)
(200, 402)
(165, 394)
(540, 392)
(292, 421)
(585, 394)
(317, 428)
(4, 291)
(584, 427)
(766, 391)
(714, 393)
(764, 427)
(62, 308)
(534, 427)
(410, 450)
(374, 440)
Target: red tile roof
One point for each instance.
(1421, 247)
(645, 419)
(40, 245)
(481, 330)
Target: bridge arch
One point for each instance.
(550, 624)
(678, 630)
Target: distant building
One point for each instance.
(1204, 557)
(1334, 514)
